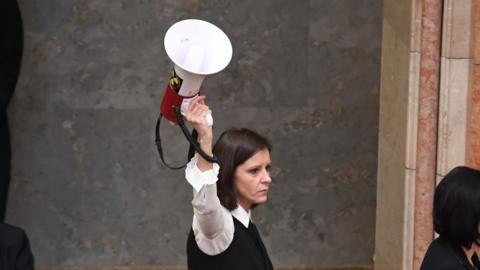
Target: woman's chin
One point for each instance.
(262, 199)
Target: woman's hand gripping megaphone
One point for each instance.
(188, 102)
(197, 114)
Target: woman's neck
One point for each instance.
(476, 249)
(470, 251)
(246, 206)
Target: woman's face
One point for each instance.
(252, 178)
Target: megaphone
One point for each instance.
(197, 48)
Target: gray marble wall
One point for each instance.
(88, 185)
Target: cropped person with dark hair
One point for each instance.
(223, 236)
(15, 253)
(456, 216)
(11, 47)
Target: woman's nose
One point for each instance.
(266, 177)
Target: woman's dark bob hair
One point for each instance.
(232, 149)
(456, 207)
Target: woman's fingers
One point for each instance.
(198, 113)
(196, 100)
(199, 108)
(202, 112)
(201, 99)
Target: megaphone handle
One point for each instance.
(189, 137)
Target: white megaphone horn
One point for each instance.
(197, 48)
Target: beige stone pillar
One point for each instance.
(455, 78)
(473, 138)
(397, 134)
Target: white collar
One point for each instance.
(241, 215)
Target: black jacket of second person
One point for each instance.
(442, 255)
(15, 253)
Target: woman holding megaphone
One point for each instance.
(222, 234)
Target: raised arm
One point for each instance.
(212, 223)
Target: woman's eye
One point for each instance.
(253, 171)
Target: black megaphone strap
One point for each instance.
(191, 138)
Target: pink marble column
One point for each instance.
(473, 138)
(427, 127)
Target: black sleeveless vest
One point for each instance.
(246, 252)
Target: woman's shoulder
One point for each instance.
(11, 235)
(441, 255)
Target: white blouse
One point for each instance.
(212, 223)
